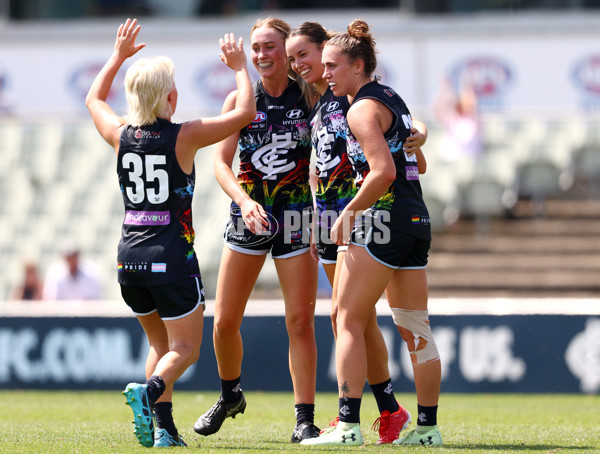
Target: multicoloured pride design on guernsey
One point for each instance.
(404, 198)
(275, 153)
(335, 177)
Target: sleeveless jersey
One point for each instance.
(157, 241)
(404, 198)
(275, 151)
(335, 179)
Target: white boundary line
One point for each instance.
(437, 306)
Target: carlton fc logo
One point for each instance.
(294, 114)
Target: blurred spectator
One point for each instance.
(31, 286)
(456, 111)
(72, 278)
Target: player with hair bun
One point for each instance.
(386, 226)
(335, 188)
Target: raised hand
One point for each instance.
(125, 46)
(232, 54)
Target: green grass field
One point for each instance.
(100, 422)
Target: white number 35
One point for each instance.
(158, 192)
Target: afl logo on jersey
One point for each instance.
(332, 106)
(586, 75)
(260, 116)
(294, 114)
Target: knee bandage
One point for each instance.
(422, 346)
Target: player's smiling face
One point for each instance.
(339, 71)
(305, 58)
(268, 52)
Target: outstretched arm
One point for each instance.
(106, 121)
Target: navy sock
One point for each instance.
(231, 390)
(305, 412)
(427, 415)
(384, 396)
(350, 409)
(164, 417)
(156, 386)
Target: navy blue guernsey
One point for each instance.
(275, 150)
(157, 241)
(404, 198)
(335, 177)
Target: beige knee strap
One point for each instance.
(424, 348)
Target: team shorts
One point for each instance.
(326, 248)
(391, 247)
(288, 234)
(172, 301)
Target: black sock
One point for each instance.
(384, 396)
(156, 386)
(305, 412)
(164, 417)
(427, 415)
(231, 390)
(350, 409)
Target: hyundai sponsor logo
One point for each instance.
(332, 106)
(294, 114)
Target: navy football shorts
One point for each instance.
(388, 245)
(172, 301)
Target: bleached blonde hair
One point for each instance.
(148, 83)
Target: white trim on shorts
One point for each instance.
(137, 314)
(342, 248)
(242, 250)
(293, 253)
(387, 264)
(199, 303)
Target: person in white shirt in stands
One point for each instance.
(72, 278)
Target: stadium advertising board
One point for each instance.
(562, 78)
(480, 353)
